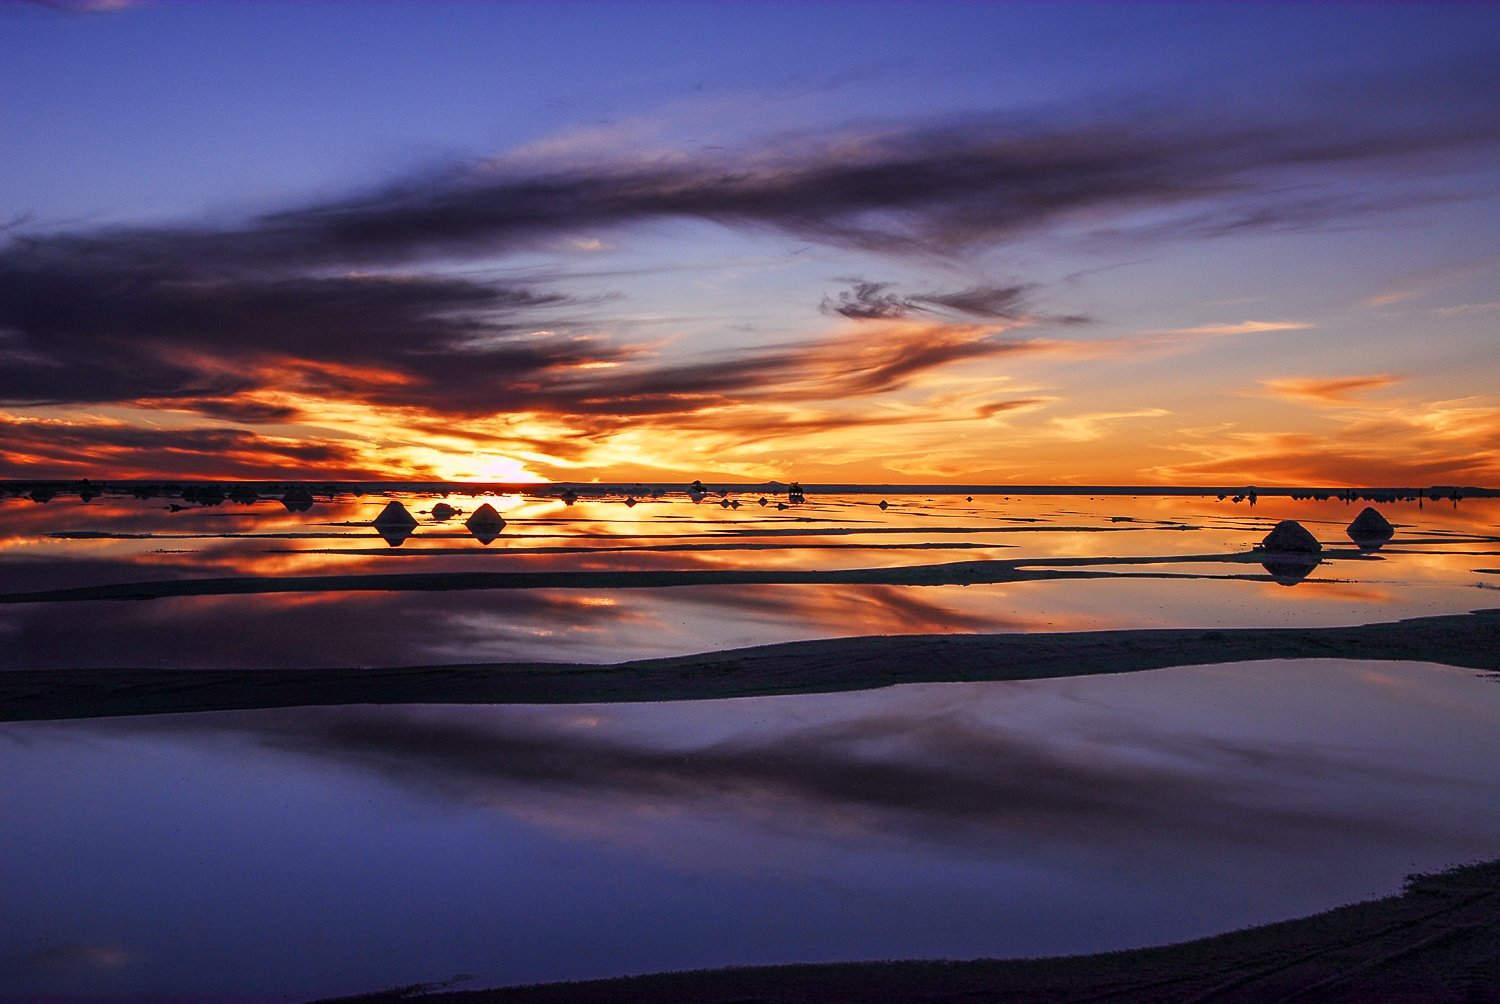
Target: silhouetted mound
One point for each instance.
(485, 516)
(394, 515)
(1291, 537)
(485, 523)
(443, 511)
(394, 524)
(1292, 552)
(1370, 529)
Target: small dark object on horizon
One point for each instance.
(297, 500)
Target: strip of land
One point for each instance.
(956, 573)
(1438, 941)
(1470, 640)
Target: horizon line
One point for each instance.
(72, 485)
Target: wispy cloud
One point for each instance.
(1465, 309)
(1328, 390)
(1237, 328)
(1078, 428)
(874, 301)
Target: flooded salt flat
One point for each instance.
(1128, 562)
(309, 852)
(303, 852)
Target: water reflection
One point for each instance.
(936, 772)
(996, 564)
(535, 843)
(1291, 569)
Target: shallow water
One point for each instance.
(1442, 560)
(301, 852)
(332, 850)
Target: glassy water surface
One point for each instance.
(1133, 562)
(294, 853)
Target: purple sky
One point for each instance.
(835, 241)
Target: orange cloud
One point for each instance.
(1418, 445)
(1328, 390)
(91, 447)
(1240, 328)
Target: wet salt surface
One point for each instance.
(304, 852)
(1434, 565)
(307, 852)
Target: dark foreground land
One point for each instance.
(1469, 640)
(1438, 941)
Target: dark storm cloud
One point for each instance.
(217, 319)
(931, 190)
(251, 412)
(901, 189)
(83, 330)
(83, 333)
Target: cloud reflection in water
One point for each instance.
(923, 766)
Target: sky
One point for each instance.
(987, 243)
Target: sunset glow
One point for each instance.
(1085, 244)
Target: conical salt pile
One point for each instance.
(1370, 527)
(1291, 537)
(393, 515)
(485, 523)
